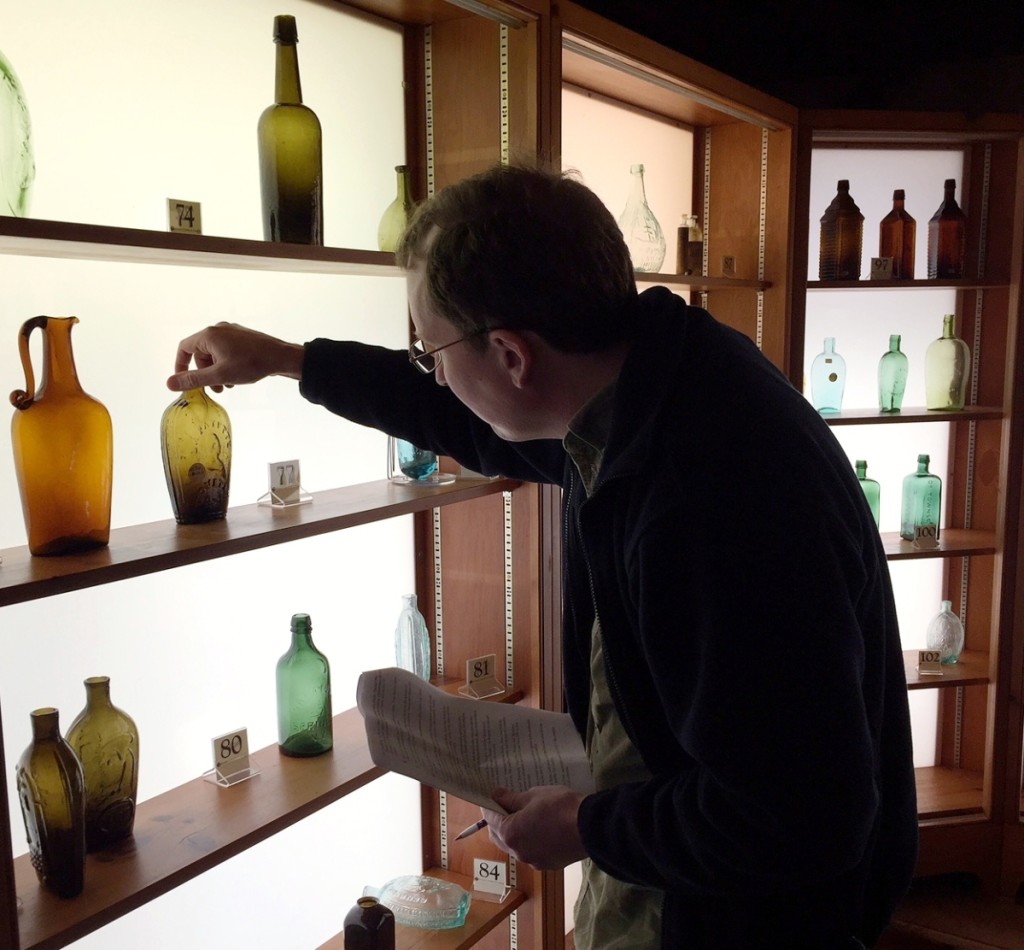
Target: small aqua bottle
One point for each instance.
(828, 378)
(872, 490)
(892, 376)
(922, 499)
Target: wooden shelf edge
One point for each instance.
(971, 669)
(41, 238)
(696, 282)
(945, 793)
(912, 414)
(145, 549)
(186, 831)
(482, 918)
(953, 542)
(964, 283)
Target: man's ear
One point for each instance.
(515, 355)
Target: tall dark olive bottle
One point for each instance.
(51, 791)
(290, 150)
(304, 719)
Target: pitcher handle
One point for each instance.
(23, 399)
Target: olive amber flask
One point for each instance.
(196, 442)
(51, 792)
(106, 741)
(63, 448)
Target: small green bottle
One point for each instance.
(871, 488)
(922, 497)
(892, 376)
(396, 216)
(304, 719)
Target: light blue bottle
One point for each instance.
(828, 378)
(412, 642)
(414, 462)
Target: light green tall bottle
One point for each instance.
(872, 490)
(396, 216)
(947, 367)
(892, 376)
(290, 152)
(922, 501)
(304, 717)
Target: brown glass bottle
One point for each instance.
(51, 791)
(196, 442)
(290, 152)
(897, 233)
(842, 233)
(63, 448)
(947, 237)
(106, 741)
(369, 925)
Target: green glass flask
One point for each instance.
(946, 634)
(195, 440)
(396, 216)
(412, 642)
(304, 718)
(842, 234)
(106, 741)
(947, 367)
(828, 378)
(290, 152)
(922, 501)
(640, 227)
(892, 376)
(369, 925)
(17, 167)
(51, 791)
(872, 490)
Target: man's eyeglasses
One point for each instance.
(426, 360)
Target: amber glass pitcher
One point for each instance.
(63, 448)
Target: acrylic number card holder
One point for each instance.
(481, 681)
(285, 485)
(231, 762)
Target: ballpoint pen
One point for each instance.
(472, 829)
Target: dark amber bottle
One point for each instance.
(897, 233)
(947, 237)
(369, 925)
(842, 234)
(51, 791)
(106, 741)
(290, 152)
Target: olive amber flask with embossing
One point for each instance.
(196, 442)
(106, 741)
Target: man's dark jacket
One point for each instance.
(749, 631)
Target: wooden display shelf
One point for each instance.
(696, 282)
(943, 792)
(482, 918)
(848, 417)
(145, 549)
(964, 283)
(953, 542)
(40, 238)
(971, 669)
(192, 828)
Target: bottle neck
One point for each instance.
(45, 724)
(97, 691)
(402, 185)
(639, 195)
(894, 343)
(287, 87)
(59, 373)
(947, 326)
